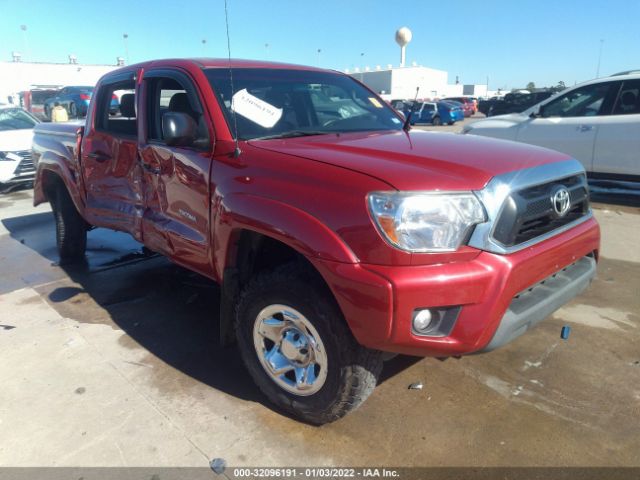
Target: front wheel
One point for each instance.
(436, 121)
(298, 349)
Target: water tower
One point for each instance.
(403, 37)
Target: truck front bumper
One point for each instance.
(496, 297)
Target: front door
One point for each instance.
(176, 218)
(569, 124)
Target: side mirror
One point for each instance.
(401, 113)
(538, 113)
(179, 129)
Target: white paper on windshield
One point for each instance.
(256, 110)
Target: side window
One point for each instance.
(170, 95)
(628, 101)
(581, 102)
(116, 108)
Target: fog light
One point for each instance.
(422, 320)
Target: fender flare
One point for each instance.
(283, 222)
(50, 164)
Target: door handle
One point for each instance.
(585, 128)
(99, 157)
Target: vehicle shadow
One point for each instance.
(171, 312)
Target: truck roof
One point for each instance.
(222, 63)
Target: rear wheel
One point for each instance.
(298, 349)
(71, 228)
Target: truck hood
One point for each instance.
(15, 140)
(418, 160)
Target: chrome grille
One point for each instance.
(528, 213)
(25, 166)
(517, 204)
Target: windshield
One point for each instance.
(276, 103)
(15, 119)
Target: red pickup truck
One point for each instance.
(335, 232)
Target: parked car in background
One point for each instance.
(425, 112)
(485, 105)
(16, 134)
(33, 100)
(435, 113)
(468, 107)
(453, 109)
(76, 101)
(517, 102)
(597, 123)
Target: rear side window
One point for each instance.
(628, 101)
(116, 108)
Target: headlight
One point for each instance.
(425, 222)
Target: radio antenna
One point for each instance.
(237, 151)
(407, 123)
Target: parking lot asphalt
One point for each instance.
(116, 363)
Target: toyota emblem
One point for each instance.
(560, 200)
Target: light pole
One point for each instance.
(25, 43)
(125, 37)
(599, 58)
(319, 52)
(362, 71)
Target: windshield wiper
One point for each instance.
(293, 133)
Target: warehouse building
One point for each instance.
(401, 82)
(17, 77)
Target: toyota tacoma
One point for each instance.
(336, 232)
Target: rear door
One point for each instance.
(617, 149)
(569, 123)
(109, 158)
(176, 182)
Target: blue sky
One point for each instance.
(512, 43)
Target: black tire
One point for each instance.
(451, 123)
(436, 121)
(73, 110)
(71, 228)
(352, 370)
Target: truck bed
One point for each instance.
(62, 128)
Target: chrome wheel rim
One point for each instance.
(290, 350)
